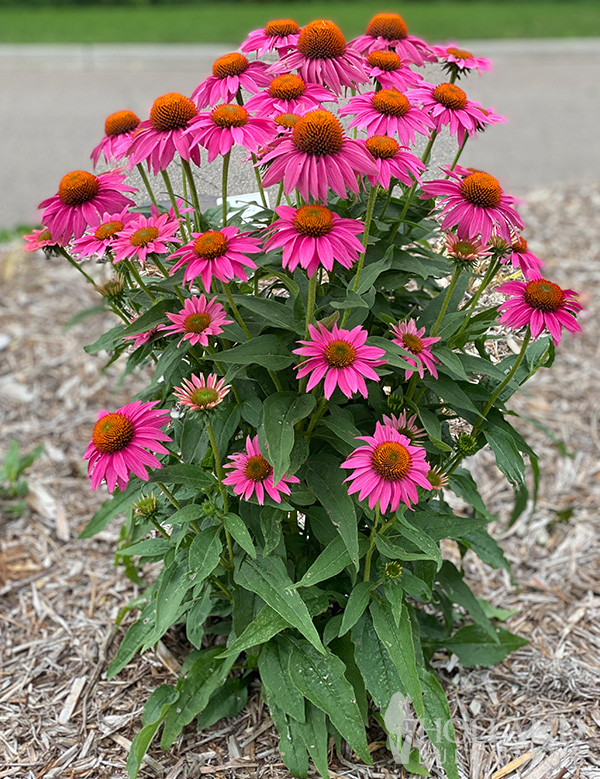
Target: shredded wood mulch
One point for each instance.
(534, 716)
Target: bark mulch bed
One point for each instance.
(534, 716)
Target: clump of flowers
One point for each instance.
(318, 376)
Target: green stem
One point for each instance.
(263, 197)
(226, 158)
(429, 147)
(372, 537)
(169, 495)
(136, 275)
(172, 197)
(193, 191)
(489, 275)
(184, 186)
(159, 528)
(146, 181)
(368, 218)
(449, 291)
(310, 302)
(279, 197)
(317, 414)
(458, 153)
(411, 386)
(234, 309)
(165, 273)
(64, 253)
(218, 465)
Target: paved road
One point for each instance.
(54, 99)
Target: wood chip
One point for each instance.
(72, 698)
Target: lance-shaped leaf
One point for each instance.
(281, 412)
(273, 666)
(438, 723)
(205, 552)
(266, 350)
(118, 504)
(332, 560)
(291, 745)
(375, 664)
(156, 709)
(266, 625)
(459, 591)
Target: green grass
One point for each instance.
(208, 22)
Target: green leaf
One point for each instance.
(420, 539)
(151, 547)
(185, 515)
(326, 478)
(341, 422)
(394, 552)
(321, 679)
(266, 350)
(281, 412)
(474, 646)
(394, 354)
(205, 675)
(205, 552)
(451, 363)
(352, 300)
(332, 560)
(118, 504)
(152, 317)
(133, 641)
(173, 584)
(459, 592)
(268, 309)
(270, 527)
(438, 722)
(237, 527)
(375, 664)
(486, 548)
(268, 578)
(464, 485)
(442, 524)
(273, 666)
(291, 744)
(157, 706)
(196, 617)
(266, 625)
(370, 274)
(190, 475)
(357, 603)
(451, 392)
(226, 701)
(508, 457)
(313, 732)
(397, 638)
(107, 340)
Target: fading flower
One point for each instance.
(202, 394)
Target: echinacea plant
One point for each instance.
(318, 372)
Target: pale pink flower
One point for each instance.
(388, 112)
(280, 34)
(102, 233)
(80, 198)
(393, 161)
(316, 156)
(475, 203)
(542, 305)
(230, 73)
(405, 425)
(202, 394)
(447, 104)
(230, 125)
(158, 139)
(289, 94)
(142, 338)
(437, 478)
(466, 251)
(144, 235)
(412, 340)
(120, 442)
(387, 469)
(118, 131)
(313, 236)
(38, 239)
(198, 319)
(388, 31)
(322, 57)
(390, 71)
(521, 257)
(251, 474)
(460, 60)
(342, 357)
(219, 253)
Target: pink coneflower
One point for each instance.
(476, 204)
(322, 57)
(284, 124)
(410, 338)
(388, 469)
(316, 156)
(120, 442)
(289, 94)
(202, 394)
(460, 60)
(405, 425)
(158, 139)
(387, 112)
(38, 239)
(466, 252)
(393, 161)
(448, 104)
(487, 118)
(230, 73)
(313, 236)
(280, 34)
(118, 131)
(541, 304)
(144, 235)
(342, 357)
(230, 125)
(220, 253)
(521, 257)
(198, 319)
(390, 71)
(142, 338)
(252, 474)
(81, 197)
(103, 231)
(388, 31)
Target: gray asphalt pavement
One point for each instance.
(54, 100)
